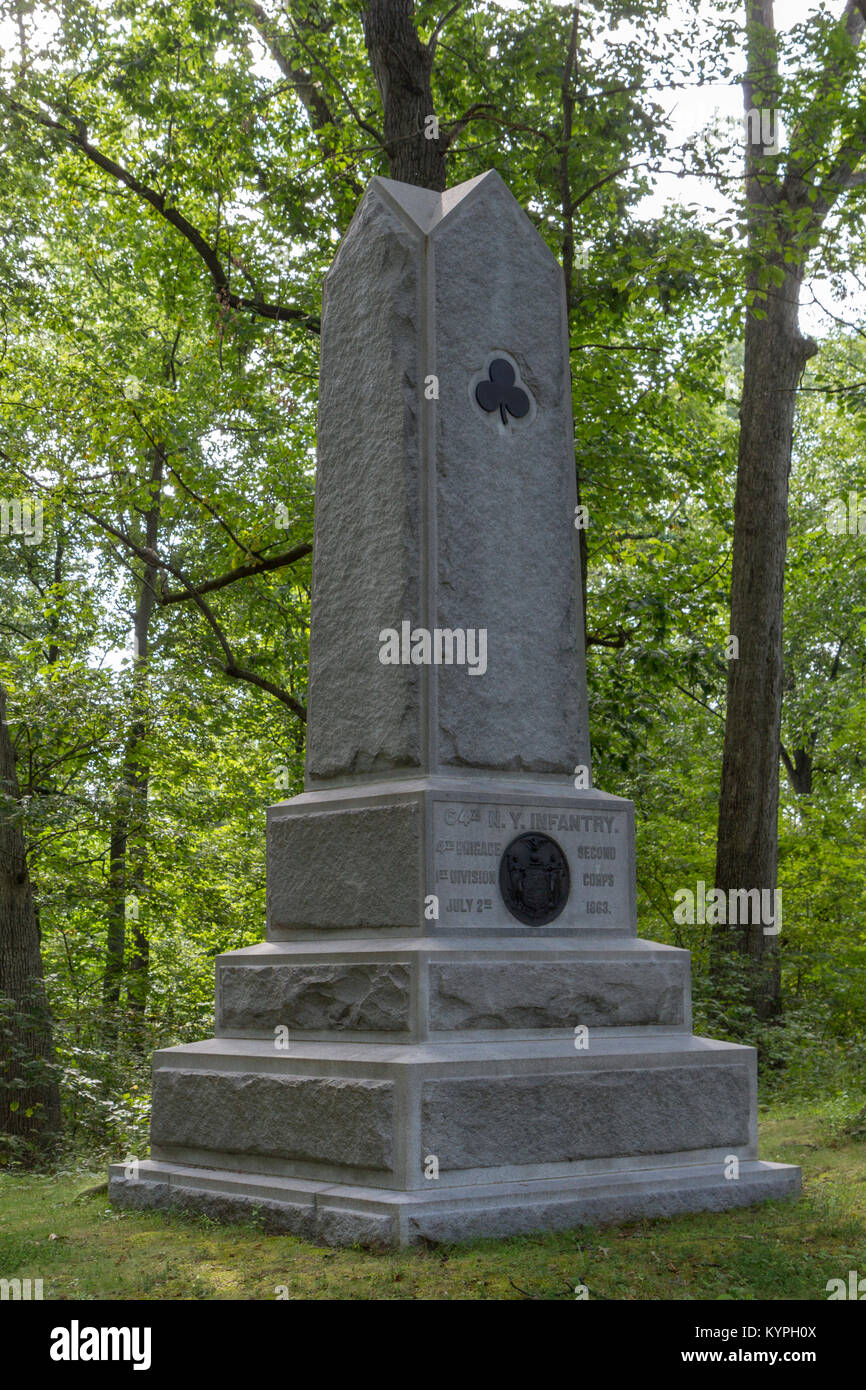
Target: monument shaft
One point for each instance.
(436, 511)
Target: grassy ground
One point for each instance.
(82, 1249)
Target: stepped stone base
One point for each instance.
(385, 1144)
(335, 1214)
(483, 988)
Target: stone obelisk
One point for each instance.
(452, 1028)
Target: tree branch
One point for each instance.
(231, 666)
(568, 105)
(288, 557)
(434, 37)
(356, 115)
(842, 174)
(320, 115)
(622, 636)
(77, 136)
(450, 132)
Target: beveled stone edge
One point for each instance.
(337, 1214)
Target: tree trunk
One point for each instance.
(799, 769)
(785, 217)
(127, 847)
(28, 1079)
(775, 355)
(747, 848)
(402, 66)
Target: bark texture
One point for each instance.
(787, 204)
(29, 1093)
(402, 66)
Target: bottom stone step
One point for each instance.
(376, 1217)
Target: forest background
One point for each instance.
(173, 182)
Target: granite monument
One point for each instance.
(452, 1029)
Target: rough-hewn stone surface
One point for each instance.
(343, 1216)
(491, 1121)
(507, 546)
(345, 869)
(336, 1227)
(138, 1196)
(494, 545)
(363, 716)
(309, 1119)
(345, 996)
(293, 1218)
(561, 994)
(651, 1199)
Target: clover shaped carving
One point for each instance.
(500, 393)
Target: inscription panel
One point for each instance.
(470, 839)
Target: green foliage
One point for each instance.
(121, 346)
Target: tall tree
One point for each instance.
(29, 1093)
(788, 198)
(129, 820)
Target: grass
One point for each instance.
(57, 1229)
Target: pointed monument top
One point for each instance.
(426, 208)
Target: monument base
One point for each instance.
(387, 1144)
(334, 1214)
